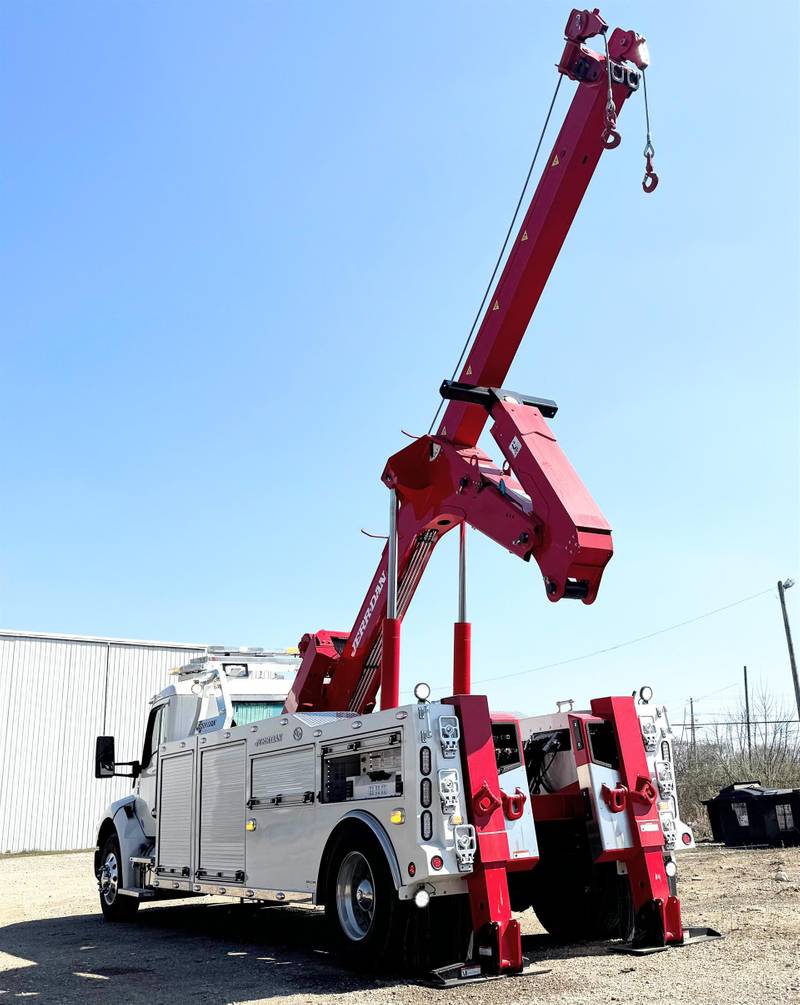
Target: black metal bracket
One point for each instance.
(691, 937)
(454, 390)
(472, 972)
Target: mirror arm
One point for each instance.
(135, 766)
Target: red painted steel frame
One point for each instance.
(645, 862)
(489, 898)
(569, 170)
(462, 658)
(390, 664)
(542, 511)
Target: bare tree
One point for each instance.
(722, 756)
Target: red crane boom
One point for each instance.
(534, 505)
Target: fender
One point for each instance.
(379, 831)
(125, 817)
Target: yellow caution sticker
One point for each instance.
(496, 306)
(469, 371)
(555, 162)
(524, 235)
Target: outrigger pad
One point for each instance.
(471, 973)
(691, 936)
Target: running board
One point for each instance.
(140, 893)
(691, 936)
(457, 974)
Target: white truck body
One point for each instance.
(247, 810)
(230, 800)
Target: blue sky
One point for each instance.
(241, 246)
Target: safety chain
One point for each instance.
(611, 137)
(650, 179)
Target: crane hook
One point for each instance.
(610, 136)
(650, 179)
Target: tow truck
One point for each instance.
(423, 828)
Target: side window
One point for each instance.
(740, 809)
(153, 734)
(783, 811)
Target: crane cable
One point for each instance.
(502, 250)
(610, 136)
(650, 179)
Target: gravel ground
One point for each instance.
(54, 945)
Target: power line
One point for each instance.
(622, 645)
(719, 689)
(741, 722)
(630, 642)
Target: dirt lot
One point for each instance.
(55, 946)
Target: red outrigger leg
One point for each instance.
(658, 912)
(497, 941)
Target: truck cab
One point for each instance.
(225, 686)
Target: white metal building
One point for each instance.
(59, 693)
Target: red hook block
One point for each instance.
(514, 806)
(616, 798)
(650, 177)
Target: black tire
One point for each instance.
(366, 919)
(114, 905)
(576, 900)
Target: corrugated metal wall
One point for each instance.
(58, 694)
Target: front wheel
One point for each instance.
(115, 906)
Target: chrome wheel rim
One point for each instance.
(355, 896)
(109, 878)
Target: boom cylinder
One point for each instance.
(390, 664)
(390, 630)
(462, 630)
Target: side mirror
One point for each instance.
(104, 758)
(106, 764)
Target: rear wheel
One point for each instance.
(577, 900)
(364, 914)
(115, 906)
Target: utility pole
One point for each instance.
(691, 727)
(782, 588)
(747, 715)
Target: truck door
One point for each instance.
(147, 782)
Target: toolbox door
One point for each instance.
(513, 779)
(597, 761)
(281, 836)
(221, 844)
(175, 811)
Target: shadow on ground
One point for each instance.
(201, 952)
